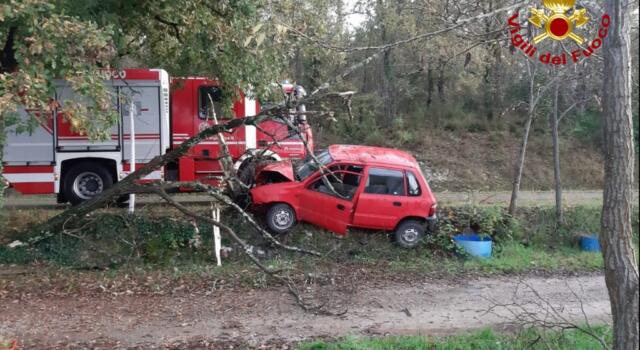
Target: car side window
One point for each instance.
(385, 181)
(344, 182)
(413, 184)
(210, 102)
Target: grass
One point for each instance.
(480, 340)
(512, 257)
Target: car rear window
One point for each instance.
(385, 181)
(413, 184)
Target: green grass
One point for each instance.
(511, 257)
(480, 340)
(515, 257)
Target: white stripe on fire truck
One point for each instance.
(156, 175)
(29, 177)
(250, 109)
(283, 143)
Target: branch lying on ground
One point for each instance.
(217, 194)
(160, 191)
(540, 313)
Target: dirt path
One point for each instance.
(258, 317)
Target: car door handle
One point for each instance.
(340, 207)
(397, 204)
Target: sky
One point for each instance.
(353, 20)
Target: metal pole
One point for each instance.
(132, 159)
(217, 244)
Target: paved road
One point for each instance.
(429, 307)
(527, 198)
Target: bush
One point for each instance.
(490, 221)
(107, 239)
(540, 224)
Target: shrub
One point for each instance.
(492, 221)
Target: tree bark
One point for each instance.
(388, 89)
(553, 123)
(517, 178)
(621, 266)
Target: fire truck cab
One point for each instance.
(53, 158)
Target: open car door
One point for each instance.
(327, 208)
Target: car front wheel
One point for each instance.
(280, 218)
(409, 233)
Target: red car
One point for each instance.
(365, 187)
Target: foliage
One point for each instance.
(111, 240)
(74, 41)
(579, 220)
(485, 339)
(491, 221)
(46, 45)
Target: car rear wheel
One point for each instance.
(280, 218)
(409, 233)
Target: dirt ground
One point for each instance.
(269, 318)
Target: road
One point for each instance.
(257, 317)
(527, 198)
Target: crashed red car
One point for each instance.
(358, 186)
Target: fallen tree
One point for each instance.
(130, 184)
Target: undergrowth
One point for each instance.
(161, 237)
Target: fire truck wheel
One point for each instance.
(280, 218)
(409, 233)
(84, 181)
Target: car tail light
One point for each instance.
(432, 210)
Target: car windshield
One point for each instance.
(310, 166)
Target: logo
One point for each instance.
(559, 26)
(558, 21)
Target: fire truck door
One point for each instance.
(209, 112)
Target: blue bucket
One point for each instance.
(475, 245)
(589, 243)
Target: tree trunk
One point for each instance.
(298, 67)
(2, 184)
(388, 92)
(441, 65)
(429, 83)
(553, 123)
(517, 178)
(621, 267)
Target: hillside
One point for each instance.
(475, 161)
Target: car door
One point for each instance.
(382, 201)
(329, 208)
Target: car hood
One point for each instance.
(284, 168)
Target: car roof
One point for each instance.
(372, 155)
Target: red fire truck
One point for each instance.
(53, 158)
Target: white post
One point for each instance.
(215, 213)
(132, 159)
